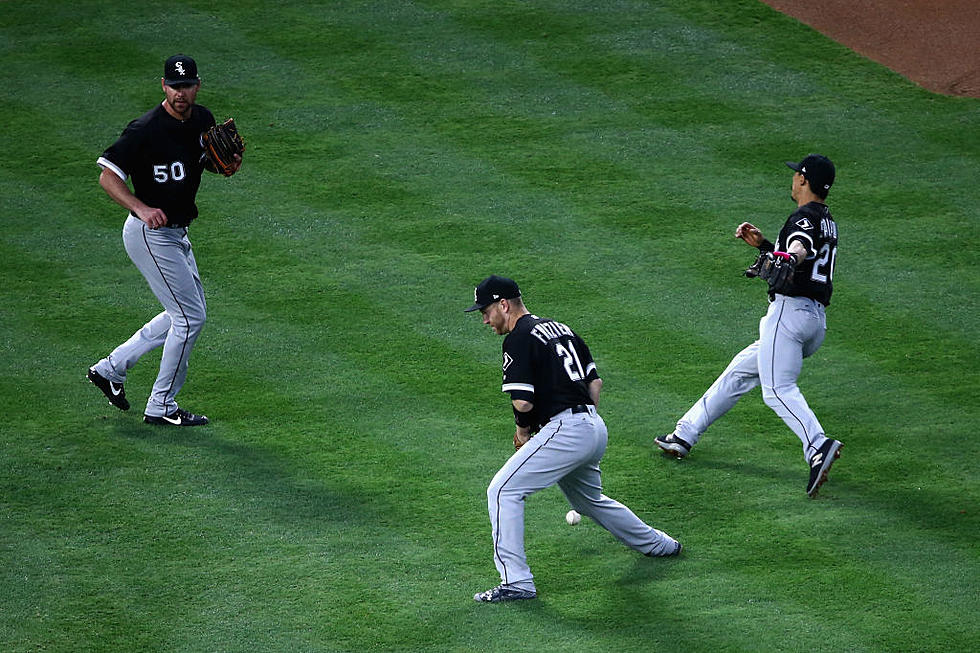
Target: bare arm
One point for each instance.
(117, 189)
(595, 387)
(798, 250)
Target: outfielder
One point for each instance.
(554, 386)
(163, 152)
(800, 271)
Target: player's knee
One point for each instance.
(771, 393)
(188, 325)
(493, 491)
(196, 323)
(499, 492)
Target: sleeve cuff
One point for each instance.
(107, 164)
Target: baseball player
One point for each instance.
(554, 389)
(792, 329)
(162, 152)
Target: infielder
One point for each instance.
(800, 270)
(162, 152)
(553, 385)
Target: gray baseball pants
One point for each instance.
(165, 259)
(566, 451)
(792, 329)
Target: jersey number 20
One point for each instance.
(823, 267)
(570, 358)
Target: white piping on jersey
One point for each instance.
(106, 163)
(802, 235)
(507, 387)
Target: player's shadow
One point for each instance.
(637, 591)
(260, 479)
(945, 513)
(781, 473)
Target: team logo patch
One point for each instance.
(180, 68)
(507, 361)
(804, 224)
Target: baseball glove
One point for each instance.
(221, 144)
(518, 442)
(776, 269)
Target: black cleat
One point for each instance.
(179, 417)
(502, 593)
(673, 445)
(114, 392)
(820, 464)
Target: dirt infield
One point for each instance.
(935, 43)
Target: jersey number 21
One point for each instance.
(569, 357)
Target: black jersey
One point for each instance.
(165, 158)
(546, 363)
(814, 227)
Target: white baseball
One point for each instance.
(572, 517)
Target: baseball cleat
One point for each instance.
(676, 551)
(179, 417)
(820, 464)
(673, 445)
(114, 392)
(504, 593)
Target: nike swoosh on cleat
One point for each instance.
(176, 421)
(112, 389)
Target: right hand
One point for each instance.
(153, 218)
(748, 232)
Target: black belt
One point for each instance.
(581, 408)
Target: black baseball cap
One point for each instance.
(818, 170)
(493, 289)
(180, 69)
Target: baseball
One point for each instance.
(572, 517)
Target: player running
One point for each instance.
(792, 329)
(161, 151)
(554, 385)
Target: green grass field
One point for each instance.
(601, 153)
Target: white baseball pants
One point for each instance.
(566, 451)
(165, 259)
(792, 329)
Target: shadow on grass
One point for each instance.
(262, 479)
(947, 513)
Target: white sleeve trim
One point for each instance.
(106, 163)
(589, 368)
(802, 235)
(507, 387)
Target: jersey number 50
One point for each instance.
(823, 267)
(164, 173)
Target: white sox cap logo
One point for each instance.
(180, 68)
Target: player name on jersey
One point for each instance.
(828, 228)
(546, 331)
